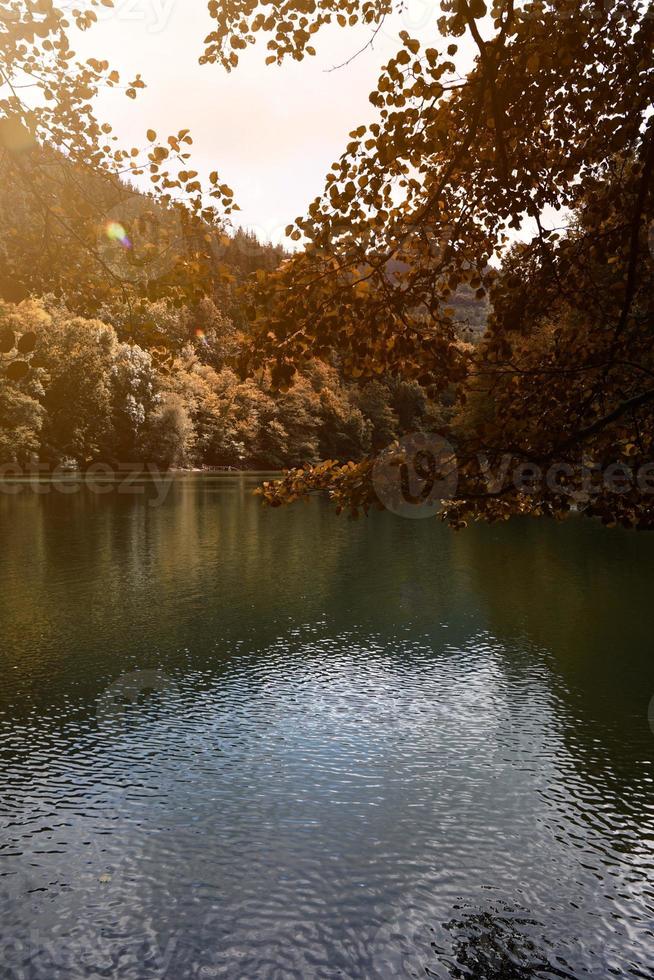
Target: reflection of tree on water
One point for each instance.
(498, 943)
(580, 597)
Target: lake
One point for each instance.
(245, 743)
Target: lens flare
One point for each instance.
(116, 233)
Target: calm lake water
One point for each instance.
(258, 744)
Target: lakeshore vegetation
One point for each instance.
(135, 325)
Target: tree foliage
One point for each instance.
(90, 397)
(555, 116)
(66, 165)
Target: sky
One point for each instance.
(271, 132)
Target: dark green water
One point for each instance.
(252, 744)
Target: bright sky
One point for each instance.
(271, 132)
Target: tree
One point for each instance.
(75, 358)
(21, 414)
(95, 238)
(556, 113)
(375, 402)
(21, 418)
(169, 437)
(134, 398)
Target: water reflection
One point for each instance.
(241, 743)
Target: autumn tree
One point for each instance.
(97, 238)
(553, 118)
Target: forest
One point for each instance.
(92, 396)
(157, 383)
(479, 265)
